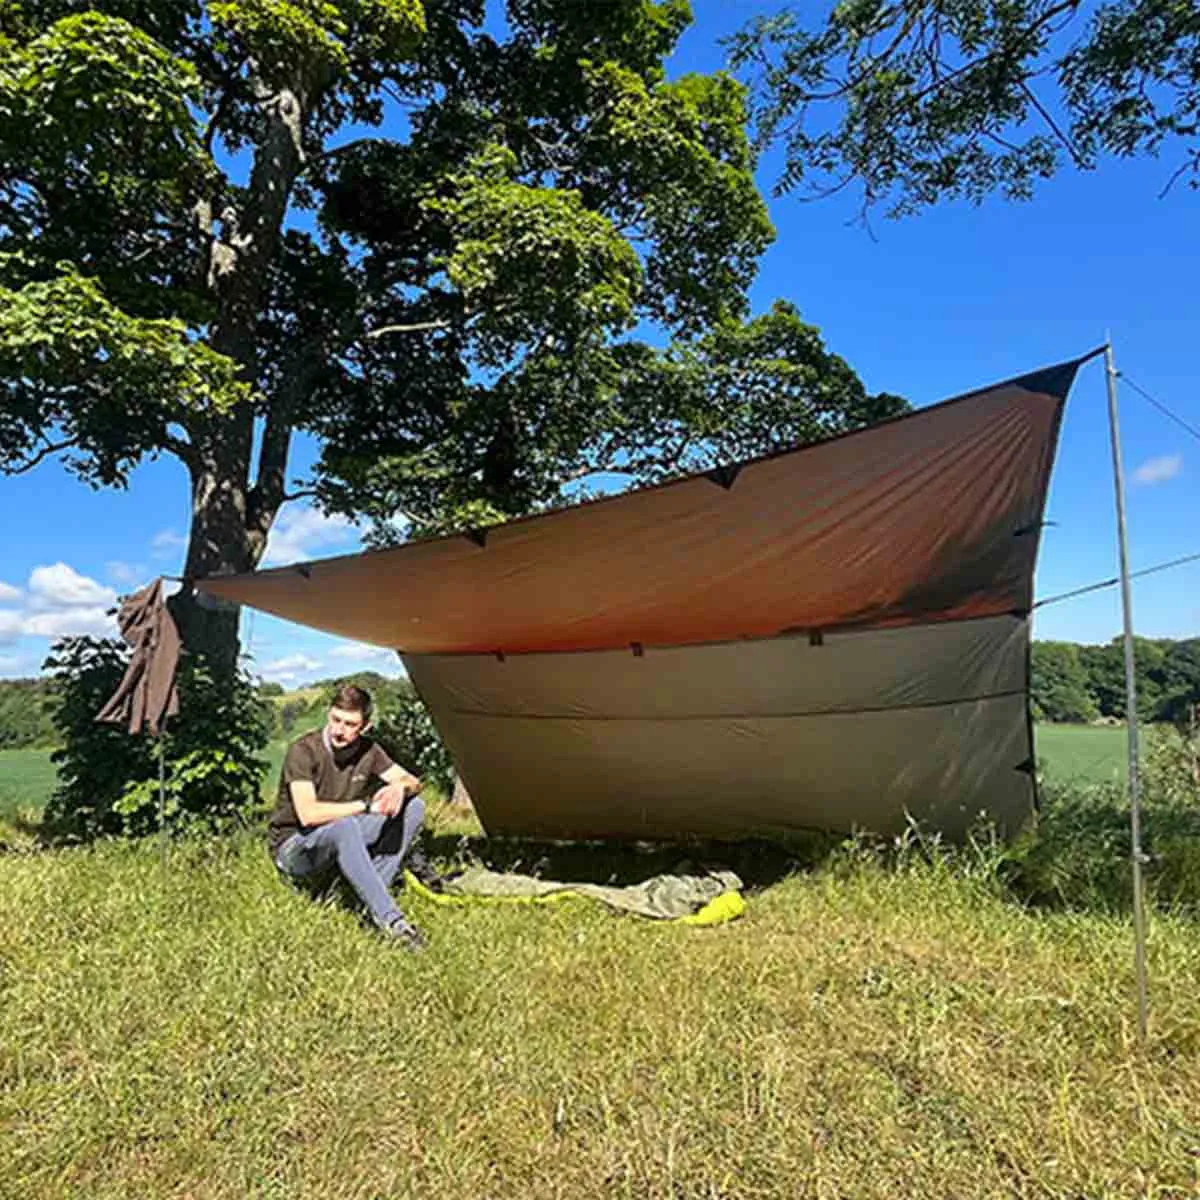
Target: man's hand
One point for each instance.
(389, 800)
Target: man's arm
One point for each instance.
(396, 775)
(399, 784)
(311, 811)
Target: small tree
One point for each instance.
(109, 778)
(1059, 684)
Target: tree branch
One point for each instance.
(1193, 166)
(939, 82)
(232, 82)
(325, 155)
(41, 456)
(583, 472)
(417, 327)
(210, 129)
(1058, 133)
(267, 494)
(47, 450)
(182, 450)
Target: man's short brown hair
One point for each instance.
(352, 698)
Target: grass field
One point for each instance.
(1071, 753)
(1083, 753)
(205, 1032)
(27, 778)
(884, 1022)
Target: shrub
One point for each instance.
(406, 731)
(1078, 853)
(109, 778)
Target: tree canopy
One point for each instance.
(914, 101)
(1077, 683)
(425, 232)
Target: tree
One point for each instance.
(1059, 684)
(388, 224)
(1105, 667)
(736, 390)
(1181, 683)
(914, 101)
(108, 779)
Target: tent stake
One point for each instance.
(1135, 792)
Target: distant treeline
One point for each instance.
(1087, 683)
(1070, 683)
(296, 712)
(27, 707)
(26, 717)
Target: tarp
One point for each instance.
(829, 636)
(761, 737)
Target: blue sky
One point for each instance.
(929, 307)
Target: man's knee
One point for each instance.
(414, 810)
(344, 832)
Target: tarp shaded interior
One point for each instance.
(765, 736)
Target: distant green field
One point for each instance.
(27, 777)
(1082, 753)
(1089, 754)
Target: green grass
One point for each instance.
(1083, 753)
(862, 1032)
(27, 777)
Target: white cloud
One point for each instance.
(63, 622)
(300, 531)
(59, 602)
(166, 542)
(1159, 470)
(357, 652)
(70, 622)
(9, 593)
(60, 586)
(289, 668)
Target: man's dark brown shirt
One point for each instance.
(340, 777)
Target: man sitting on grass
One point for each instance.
(328, 818)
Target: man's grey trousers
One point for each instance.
(366, 848)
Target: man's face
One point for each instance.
(344, 726)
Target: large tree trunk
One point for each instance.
(231, 520)
(231, 514)
(219, 541)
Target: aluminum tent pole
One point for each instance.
(1137, 858)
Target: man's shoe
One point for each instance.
(404, 934)
(423, 871)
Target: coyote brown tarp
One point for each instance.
(830, 636)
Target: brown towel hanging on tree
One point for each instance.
(147, 693)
